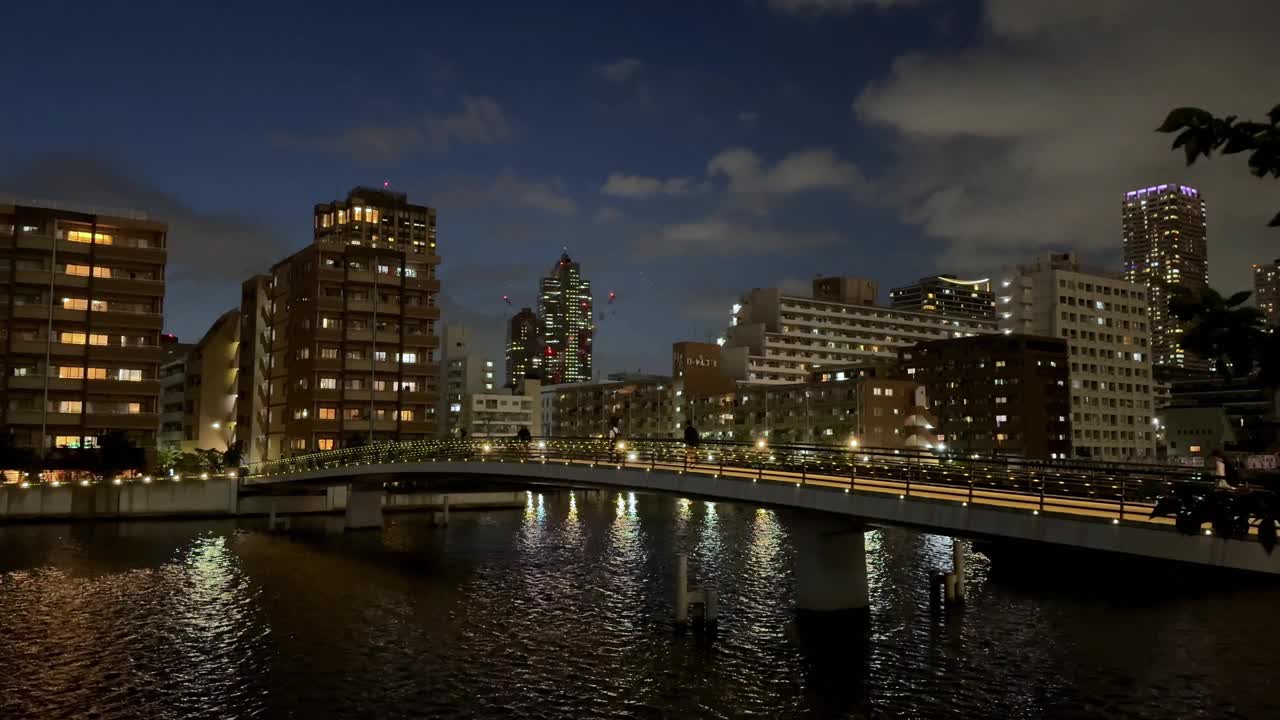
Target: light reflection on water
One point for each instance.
(562, 609)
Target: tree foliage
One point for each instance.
(1200, 133)
(1221, 329)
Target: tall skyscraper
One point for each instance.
(523, 351)
(564, 305)
(1165, 247)
(947, 295)
(80, 348)
(1105, 322)
(1266, 290)
(342, 334)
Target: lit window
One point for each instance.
(324, 444)
(298, 444)
(72, 338)
(408, 357)
(328, 383)
(67, 441)
(97, 373)
(71, 406)
(406, 414)
(71, 373)
(135, 408)
(80, 270)
(69, 303)
(97, 339)
(328, 413)
(329, 353)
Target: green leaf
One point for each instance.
(1184, 117)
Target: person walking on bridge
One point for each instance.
(691, 440)
(615, 438)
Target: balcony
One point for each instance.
(124, 387)
(123, 421)
(126, 286)
(356, 395)
(429, 312)
(36, 417)
(106, 253)
(36, 382)
(135, 353)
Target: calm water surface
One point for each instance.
(562, 610)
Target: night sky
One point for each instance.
(684, 152)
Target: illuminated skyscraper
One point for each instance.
(1166, 246)
(1266, 290)
(564, 306)
(523, 351)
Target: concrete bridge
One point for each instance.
(1095, 506)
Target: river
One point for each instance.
(562, 610)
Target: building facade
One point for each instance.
(565, 311)
(1105, 322)
(1166, 247)
(173, 395)
(783, 338)
(83, 296)
(503, 414)
(997, 394)
(463, 373)
(947, 295)
(1266, 290)
(344, 331)
(524, 352)
(211, 387)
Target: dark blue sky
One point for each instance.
(752, 142)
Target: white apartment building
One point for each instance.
(1105, 322)
(462, 372)
(501, 415)
(775, 337)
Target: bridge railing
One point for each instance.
(1105, 489)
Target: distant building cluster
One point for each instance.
(340, 344)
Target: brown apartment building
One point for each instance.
(338, 343)
(82, 294)
(996, 393)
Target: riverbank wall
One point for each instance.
(209, 498)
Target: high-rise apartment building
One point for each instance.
(524, 353)
(783, 337)
(1166, 247)
(83, 296)
(947, 295)
(343, 332)
(1266, 290)
(173, 395)
(1105, 322)
(209, 413)
(565, 309)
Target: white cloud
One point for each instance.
(507, 189)
(481, 121)
(619, 72)
(720, 236)
(1027, 140)
(638, 186)
(607, 215)
(812, 169)
(819, 7)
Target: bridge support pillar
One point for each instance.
(831, 571)
(364, 508)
